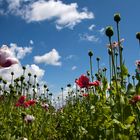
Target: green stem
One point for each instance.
(120, 51)
(110, 66)
(113, 65)
(91, 69)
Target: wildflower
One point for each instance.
(17, 104)
(26, 104)
(31, 102)
(21, 100)
(138, 63)
(6, 58)
(83, 81)
(85, 95)
(138, 66)
(95, 83)
(29, 118)
(135, 99)
(115, 44)
(45, 106)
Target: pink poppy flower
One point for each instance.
(29, 118)
(45, 106)
(6, 58)
(115, 44)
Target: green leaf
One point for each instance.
(124, 71)
(130, 119)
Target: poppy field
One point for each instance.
(100, 107)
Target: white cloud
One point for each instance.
(31, 42)
(91, 27)
(18, 71)
(64, 15)
(74, 68)
(70, 56)
(101, 31)
(20, 52)
(90, 38)
(50, 58)
(13, 4)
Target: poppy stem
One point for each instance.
(113, 65)
(120, 51)
(91, 69)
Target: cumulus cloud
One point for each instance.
(91, 27)
(70, 56)
(64, 15)
(18, 71)
(20, 52)
(50, 58)
(101, 31)
(90, 38)
(74, 68)
(31, 42)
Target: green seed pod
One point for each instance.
(109, 31)
(90, 53)
(117, 17)
(109, 52)
(138, 35)
(98, 58)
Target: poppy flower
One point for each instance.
(138, 66)
(115, 44)
(17, 104)
(85, 95)
(29, 118)
(21, 100)
(83, 81)
(6, 58)
(31, 102)
(45, 106)
(95, 83)
(135, 99)
(26, 104)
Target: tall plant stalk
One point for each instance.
(90, 59)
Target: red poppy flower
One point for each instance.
(83, 81)
(95, 83)
(31, 102)
(17, 104)
(135, 99)
(21, 99)
(26, 104)
(85, 95)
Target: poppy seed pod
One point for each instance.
(109, 52)
(117, 17)
(109, 31)
(138, 35)
(90, 53)
(98, 59)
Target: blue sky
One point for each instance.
(53, 37)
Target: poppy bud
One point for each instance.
(90, 53)
(117, 17)
(109, 31)
(138, 35)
